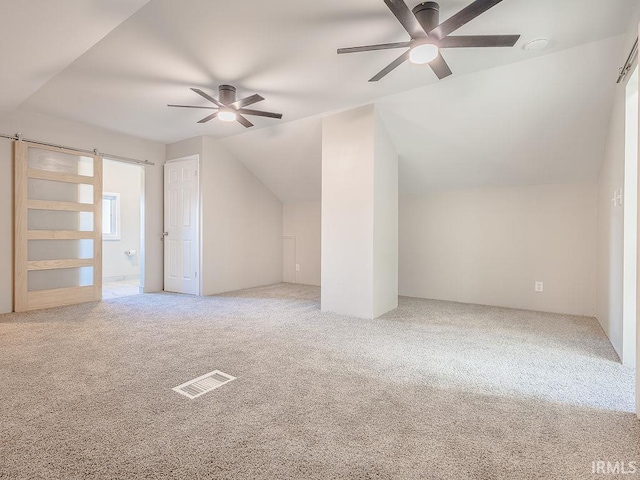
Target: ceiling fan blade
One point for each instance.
(259, 113)
(207, 96)
(247, 101)
(370, 48)
(463, 17)
(440, 67)
(392, 66)
(209, 118)
(479, 41)
(243, 121)
(406, 18)
(192, 106)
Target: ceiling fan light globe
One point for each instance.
(425, 53)
(227, 116)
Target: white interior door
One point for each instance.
(181, 226)
(289, 259)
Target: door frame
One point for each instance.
(142, 248)
(637, 270)
(630, 225)
(196, 158)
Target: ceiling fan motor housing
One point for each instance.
(428, 14)
(429, 36)
(227, 94)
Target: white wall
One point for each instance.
(242, 225)
(610, 257)
(347, 212)
(241, 220)
(185, 148)
(124, 179)
(385, 221)
(489, 246)
(303, 221)
(359, 215)
(84, 136)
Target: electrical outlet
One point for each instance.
(539, 287)
(297, 267)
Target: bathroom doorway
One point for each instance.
(122, 229)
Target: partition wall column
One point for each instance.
(359, 215)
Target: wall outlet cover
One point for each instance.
(297, 267)
(539, 287)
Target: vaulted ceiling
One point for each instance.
(539, 121)
(40, 38)
(472, 129)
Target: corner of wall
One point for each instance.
(242, 224)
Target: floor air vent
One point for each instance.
(201, 385)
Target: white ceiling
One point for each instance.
(536, 122)
(285, 51)
(539, 121)
(42, 37)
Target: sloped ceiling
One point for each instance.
(535, 122)
(286, 51)
(507, 116)
(287, 158)
(543, 120)
(40, 38)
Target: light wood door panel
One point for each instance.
(83, 176)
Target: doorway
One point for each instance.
(122, 229)
(182, 225)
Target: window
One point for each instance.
(111, 216)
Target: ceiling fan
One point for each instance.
(428, 35)
(228, 109)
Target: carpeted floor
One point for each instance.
(432, 390)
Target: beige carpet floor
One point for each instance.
(432, 390)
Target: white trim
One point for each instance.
(184, 159)
(115, 224)
(142, 258)
(200, 223)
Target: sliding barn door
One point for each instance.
(58, 227)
